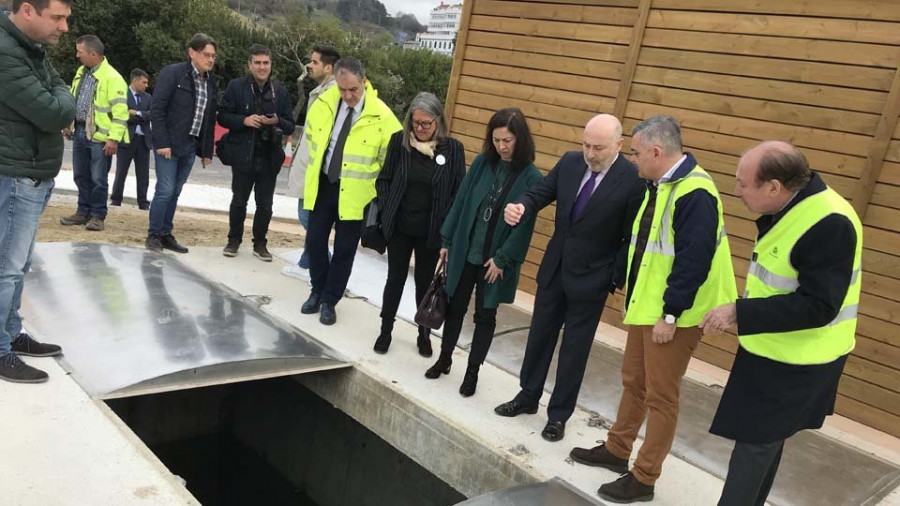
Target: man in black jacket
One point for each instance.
(35, 106)
(257, 112)
(183, 114)
(139, 145)
(597, 194)
(797, 320)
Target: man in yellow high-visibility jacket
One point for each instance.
(797, 321)
(101, 123)
(679, 267)
(348, 129)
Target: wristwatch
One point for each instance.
(669, 318)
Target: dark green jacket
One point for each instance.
(35, 106)
(509, 244)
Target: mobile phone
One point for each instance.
(270, 115)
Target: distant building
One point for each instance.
(442, 28)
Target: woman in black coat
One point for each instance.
(416, 187)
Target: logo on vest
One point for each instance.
(774, 252)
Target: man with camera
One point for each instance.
(257, 112)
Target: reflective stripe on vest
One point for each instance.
(645, 305)
(772, 274)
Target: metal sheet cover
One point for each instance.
(131, 322)
(555, 492)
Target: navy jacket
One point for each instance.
(142, 119)
(237, 103)
(172, 111)
(590, 254)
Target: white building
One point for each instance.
(442, 28)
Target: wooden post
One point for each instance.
(458, 50)
(634, 49)
(880, 142)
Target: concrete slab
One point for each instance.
(62, 448)
(555, 492)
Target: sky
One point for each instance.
(420, 8)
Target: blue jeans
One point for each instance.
(90, 169)
(171, 174)
(22, 201)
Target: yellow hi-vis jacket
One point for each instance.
(645, 306)
(110, 104)
(364, 151)
(771, 274)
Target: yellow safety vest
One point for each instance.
(771, 273)
(645, 305)
(364, 151)
(110, 105)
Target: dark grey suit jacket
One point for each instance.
(143, 119)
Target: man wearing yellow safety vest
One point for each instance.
(797, 320)
(679, 267)
(101, 123)
(348, 129)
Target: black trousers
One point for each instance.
(140, 153)
(751, 473)
(400, 249)
(261, 180)
(472, 277)
(329, 278)
(552, 308)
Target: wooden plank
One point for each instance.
(550, 63)
(461, 41)
(868, 415)
(820, 95)
(563, 115)
(851, 30)
(879, 307)
(800, 136)
(883, 286)
(538, 95)
(553, 29)
(880, 10)
(877, 351)
(871, 372)
(714, 356)
(885, 264)
(792, 114)
(549, 80)
(878, 149)
(608, 3)
(886, 218)
(887, 195)
(634, 50)
(869, 393)
(890, 173)
(556, 47)
(573, 13)
(851, 53)
(881, 240)
(770, 68)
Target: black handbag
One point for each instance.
(222, 150)
(433, 309)
(372, 236)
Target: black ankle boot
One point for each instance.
(384, 338)
(442, 366)
(470, 381)
(424, 341)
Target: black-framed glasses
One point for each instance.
(423, 125)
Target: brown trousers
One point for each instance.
(651, 375)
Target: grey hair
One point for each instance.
(662, 131)
(351, 65)
(91, 43)
(432, 106)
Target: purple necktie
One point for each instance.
(583, 197)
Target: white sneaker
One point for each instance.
(292, 271)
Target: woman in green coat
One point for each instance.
(483, 252)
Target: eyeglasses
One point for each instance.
(209, 56)
(423, 125)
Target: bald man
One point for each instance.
(597, 193)
(797, 320)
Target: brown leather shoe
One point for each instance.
(95, 224)
(599, 456)
(74, 219)
(627, 489)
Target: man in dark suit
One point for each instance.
(597, 194)
(139, 147)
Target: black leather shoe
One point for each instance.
(554, 431)
(169, 242)
(470, 381)
(442, 366)
(327, 316)
(513, 408)
(627, 489)
(382, 343)
(154, 243)
(312, 304)
(599, 456)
